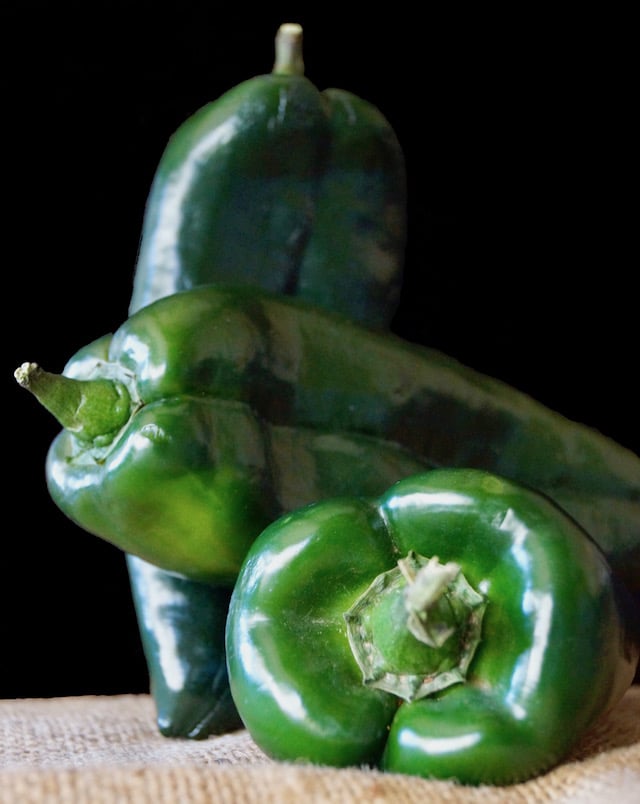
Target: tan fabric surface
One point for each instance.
(107, 749)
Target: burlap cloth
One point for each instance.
(107, 749)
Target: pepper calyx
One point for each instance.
(415, 629)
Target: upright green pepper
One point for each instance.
(279, 186)
(459, 626)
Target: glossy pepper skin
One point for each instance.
(194, 473)
(255, 361)
(278, 185)
(552, 654)
(283, 187)
(182, 620)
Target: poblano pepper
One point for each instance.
(460, 626)
(217, 378)
(280, 186)
(364, 174)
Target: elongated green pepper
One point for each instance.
(277, 362)
(280, 186)
(459, 626)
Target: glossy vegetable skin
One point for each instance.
(182, 623)
(269, 361)
(213, 373)
(315, 601)
(192, 477)
(278, 185)
(182, 620)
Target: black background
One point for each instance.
(515, 135)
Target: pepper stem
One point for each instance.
(94, 410)
(289, 60)
(425, 587)
(415, 629)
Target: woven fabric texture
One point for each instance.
(106, 749)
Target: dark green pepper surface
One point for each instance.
(218, 378)
(278, 185)
(215, 374)
(319, 647)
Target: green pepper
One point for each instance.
(212, 373)
(459, 626)
(279, 186)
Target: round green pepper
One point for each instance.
(460, 626)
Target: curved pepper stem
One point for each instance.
(94, 410)
(289, 60)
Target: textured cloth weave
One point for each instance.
(107, 749)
